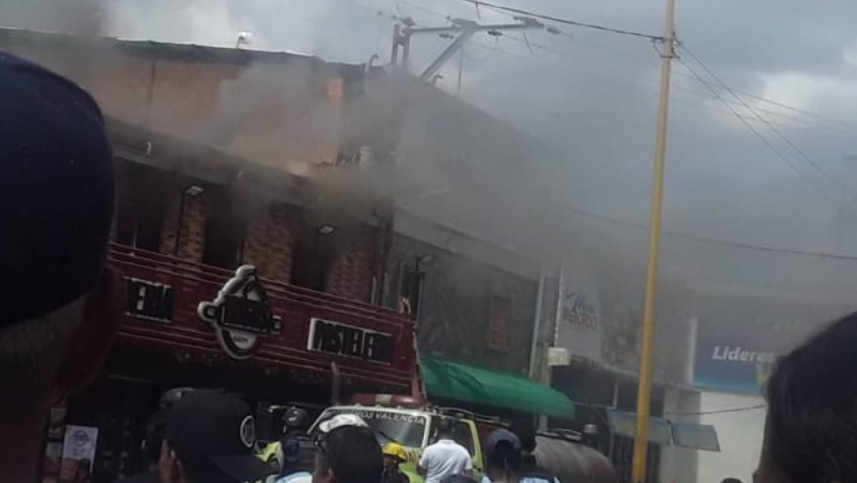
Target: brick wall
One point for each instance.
(351, 270)
(192, 235)
(455, 307)
(270, 241)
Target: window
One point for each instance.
(224, 245)
(498, 324)
(312, 256)
(411, 286)
(139, 225)
(224, 242)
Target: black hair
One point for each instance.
(731, 480)
(200, 469)
(504, 457)
(446, 427)
(156, 428)
(526, 432)
(811, 431)
(354, 455)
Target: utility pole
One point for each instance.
(644, 391)
(465, 30)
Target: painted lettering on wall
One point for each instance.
(149, 300)
(347, 341)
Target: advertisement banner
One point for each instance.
(579, 319)
(738, 338)
(78, 454)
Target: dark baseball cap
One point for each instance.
(214, 432)
(56, 190)
(503, 447)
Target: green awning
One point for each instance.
(451, 380)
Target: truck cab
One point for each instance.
(414, 429)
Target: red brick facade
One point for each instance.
(270, 241)
(271, 234)
(192, 233)
(350, 274)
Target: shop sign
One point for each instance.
(149, 300)
(579, 318)
(241, 314)
(348, 341)
(738, 338)
(78, 453)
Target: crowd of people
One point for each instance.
(60, 305)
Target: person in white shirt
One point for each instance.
(445, 457)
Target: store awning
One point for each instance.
(461, 382)
(666, 432)
(624, 423)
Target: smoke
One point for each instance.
(82, 17)
(587, 104)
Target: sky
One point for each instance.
(592, 96)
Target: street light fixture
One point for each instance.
(325, 230)
(194, 190)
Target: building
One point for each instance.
(204, 189)
(227, 158)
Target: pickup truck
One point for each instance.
(569, 460)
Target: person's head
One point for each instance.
(446, 428)
(156, 426)
(209, 438)
(151, 445)
(394, 455)
(296, 419)
(526, 433)
(348, 454)
(811, 427)
(731, 480)
(503, 455)
(59, 306)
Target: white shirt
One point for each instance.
(445, 458)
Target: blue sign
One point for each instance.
(739, 338)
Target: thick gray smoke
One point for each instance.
(84, 17)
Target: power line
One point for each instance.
(773, 128)
(563, 20)
(719, 411)
(715, 241)
(844, 124)
(822, 129)
(820, 120)
(758, 134)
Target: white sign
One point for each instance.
(78, 453)
(579, 320)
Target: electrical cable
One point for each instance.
(719, 411)
(844, 124)
(759, 135)
(776, 131)
(565, 21)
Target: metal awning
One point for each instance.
(693, 435)
(461, 382)
(624, 423)
(667, 432)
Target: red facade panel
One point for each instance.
(372, 346)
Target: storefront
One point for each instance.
(189, 324)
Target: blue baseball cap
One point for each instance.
(503, 447)
(56, 190)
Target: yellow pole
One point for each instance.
(644, 392)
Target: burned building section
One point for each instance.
(295, 230)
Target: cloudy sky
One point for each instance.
(593, 96)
